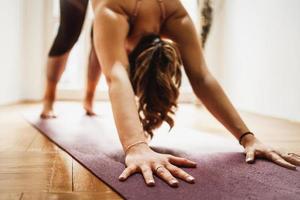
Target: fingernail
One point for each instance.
(121, 178)
(151, 183)
(249, 160)
(174, 183)
(190, 179)
(293, 167)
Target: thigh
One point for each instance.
(72, 15)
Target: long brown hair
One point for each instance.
(155, 75)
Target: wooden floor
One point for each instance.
(31, 167)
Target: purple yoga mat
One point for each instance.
(221, 172)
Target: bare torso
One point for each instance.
(150, 18)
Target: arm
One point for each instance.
(110, 33)
(182, 31)
(202, 81)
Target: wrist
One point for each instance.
(136, 147)
(247, 140)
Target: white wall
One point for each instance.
(34, 48)
(254, 50)
(10, 51)
(22, 52)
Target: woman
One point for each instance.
(140, 45)
(72, 15)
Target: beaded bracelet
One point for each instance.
(243, 135)
(132, 145)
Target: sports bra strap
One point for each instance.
(137, 7)
(161, 5)
(162, 9)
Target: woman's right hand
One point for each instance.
(144, 160)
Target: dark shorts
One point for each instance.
(72, 15)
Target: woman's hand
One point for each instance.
(255, 149)
(142, 159)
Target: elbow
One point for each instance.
(199, 84)
(116, 75)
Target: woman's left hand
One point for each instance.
(256, 149)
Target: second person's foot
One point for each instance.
(89, 109)
(47, 114)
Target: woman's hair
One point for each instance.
(155, 75)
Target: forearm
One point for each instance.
(113, 58)
(214, 98)
(125, 112)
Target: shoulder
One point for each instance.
(114, 7)
(109, 12)
(175, 8)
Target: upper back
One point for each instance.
(148, 12)
(144, 16)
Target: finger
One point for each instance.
(294, 155)
(163, 173)
(180, 173)
(182, 161)
(148, 175)
(127, 172)
(279, 160)
(291, 158)
(250, 156)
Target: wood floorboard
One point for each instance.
(41, 143)
(69, 196)
(61, 174)
(25, 171)
(10, 196)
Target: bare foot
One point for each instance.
(89, 108)
(47, 112)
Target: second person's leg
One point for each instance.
(93, 76)
(72, 15)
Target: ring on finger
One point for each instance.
(157, 168)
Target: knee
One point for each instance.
(65, 40)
